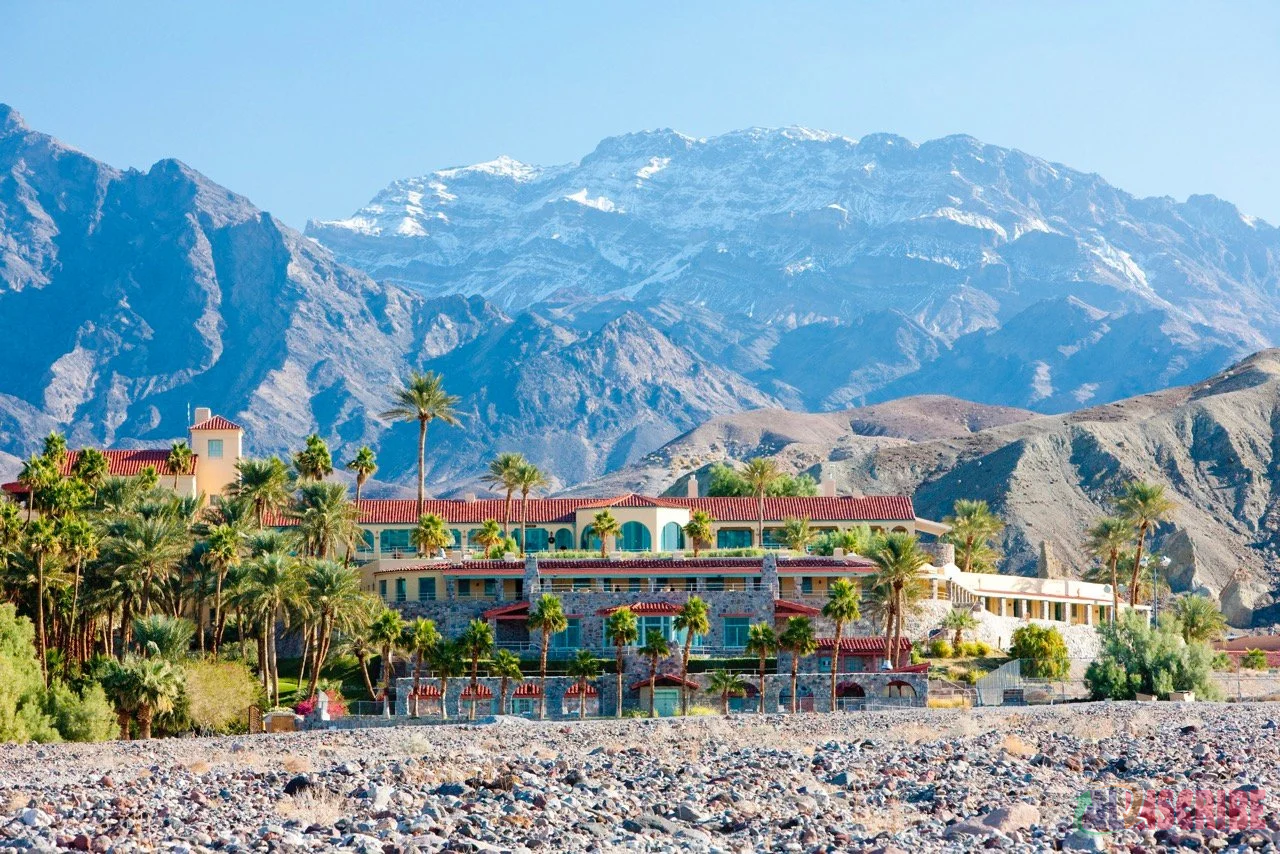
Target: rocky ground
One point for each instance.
(919, 780)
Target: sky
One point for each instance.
(309, 108)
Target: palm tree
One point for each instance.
(336, 602)
(760, 474)
(476, 641)
(179, 460)
(36, 476)
(91, 467)
(118, 683)
(430, 535)
(359, 647)
(272, 585)
(80, 542)
(365, 465)
(959, 620)
(973, 526)
(898, 563)
(843, 605)
(621, 629)
(55, 448)
(698, 530)
(504, 474)
(692, 619)
(584, 668)
(489, 536)
(762, 642)
(1143, 506)
(1199, 617)
(222, 553)
(655, 649)
(42, 543)
(726, 684)
(421, 637)
(266, 483)
(605, 525)
(144, 556)
(160, 635)
(1107, 541)
(447, 662)
(797, 534)
(385, 633)
(156, 686)
(798, 640)
(546, 616)
(506, 666)
(423, 399)
(529, 478)
(326, 519)
(314, 462)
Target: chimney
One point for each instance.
(692, 486)
(827, 489)
(203, 413)
(469, 498)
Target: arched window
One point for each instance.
(672, 537)
(564, 539)
(457, 537)
(898, 688)
(804, 701)
(590, 541)
(539, 539)
(635, 537)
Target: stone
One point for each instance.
(1080, 840)
(297, 785)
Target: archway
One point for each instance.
(747, 702)
(564, 539)
(635, 537)
(804, 699)
(899, 690)
(590, 541)
(850, 697)
(672, 537)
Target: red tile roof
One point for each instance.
(482, 692)
(217, 422)
(786, 608)
(800, 564)
(874, 645)
(573, 691)
(664, 680)
(659, 609)
(120, 463)
(518, 611)
(870, 508)
(527, 689)
(631, 500)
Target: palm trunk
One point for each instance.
(760, 528)
(219, 615)
(542, 677)
(582, 699)
(968, 553)
(1115, 587)
(417, 681)
(619, 674)
(444, 697)
(795, 678)
(888, 624)
(422, 464)
(75, 602)
(40, 635)
(368, 683)
(388, 666)
(897, 628)
(835, 662)
(145, 715)
(684, 674)
(724, 704)
(306, 649)
(275, 661)
(653, 680)
(762, 669)
(122, 718)
(502, 696)
(475, 683)
(524, 523)
(1137, 566)
(506, 515)
(126, 625)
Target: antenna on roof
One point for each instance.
(188, 413)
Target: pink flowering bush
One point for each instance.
(337, 706)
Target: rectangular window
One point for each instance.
(365, 543)
(824, 664)
(570, 638)
(490, 588)
(773, 538)
(382, 589)
(662, 625)
(426, 589)
(401, 589)
(464, 588)
(394, 541)
(735, 631)
(215, 449)
(582, 584)
(806, 585)
(633, 585)
(733, 538)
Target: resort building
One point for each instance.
(1058, 600)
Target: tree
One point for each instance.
(655, 649)
(80, 541)
(546, 616)
(859, 540)
(364, 464)
(1107, 540)
(222, 553)
(423, 399)
(760, 474)
(490, 537)
(36, 476)
(725, 685)
(605, 525)
(1254, 659)
(798, 640)
(476, 641)
(762, 642)
(358, 647)
(797, 533)
(843, 605)
(447, 662)
(91, 467)
(313, 462)
(272, 586)
(1042, 650)
(506, 666)
(698, 530)
(584, 668)
(144, 687)
(325, 519)
(430, 535)
(421, 637)
(1143, 506)
(694, 620)
(385, 632)
(529, 478)
(163, 636)
(1139, 658)
(41, 544)
(898, 563)
(621, 629)
(336, 602)
(959, 621)
(725, 481)
(503, 474)
(973, 527)
(1199, 618)
(265, 483)
(179, 460)
(55, 448)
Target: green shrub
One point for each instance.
(1254, 659)
(86, 716)
(22, 716)
(219, 694)
(1137, 658)
(916, 656)
(971, 675)
(1222, 661)
(940, 648)
(1042, 650)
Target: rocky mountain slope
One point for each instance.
(832, 271)
(1215, 444)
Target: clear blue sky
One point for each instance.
(310, 107)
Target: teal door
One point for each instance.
(666, 702)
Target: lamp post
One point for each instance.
(1165, 560)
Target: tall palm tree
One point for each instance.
(797, 638)
(959, 621)
(1143, 506)
(421, 636)
(423, 399)
(447, 662)
(621, 629)
(724, 685)
(36, 476)
(476, 641)
(314, 461)
(430, 535)
(506, 666)
(762, 642)
(605, 525)
(898, 563)
(222, 553)
(41, 543)
(973, 526)
(91, 467)
(365, 465)
(1108, 539)
(797, 534)
(760, 474)
(1199, 617)
(80, 541)
(692, 619)
(164, 636)
(145, 557)
(179, 460)
(386, 632)
(272, 584)
(546, 616)
(337, 603)
(654, 650)
(266, 483)
(55, 448)
(529, 478)
(361, 649)
(843, 605)
(504, 474)
(698, 530)
(490, 536)
(325, 519)
(584, 668)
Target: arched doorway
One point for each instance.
(804, 699)
(564, 539)
(590, 541)
(635, 537)
(672, 537)
(482, 697)
(747, 702)
(899, 690)
(850, 697)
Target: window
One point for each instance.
(426, 589)
(672, 537)
(661, 625)
(524, 706)
(824, 664)
(806, 585)
(773, 538)
(490, 588)
(634, 537)
(215, 449)
(570, 638)
(733, 538)
(401, 585)
(539, 540)
(633, 585)
(394, 540)
(365, 544)
(735, 631)
(382, 589)
(582, 584)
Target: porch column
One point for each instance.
(1088, 615)
(1004, 606)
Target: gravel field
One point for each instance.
(910, 780)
